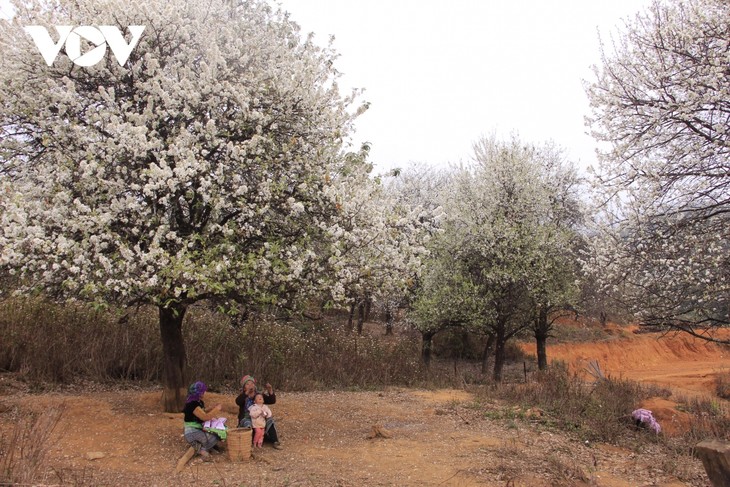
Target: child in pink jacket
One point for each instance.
(259, 412)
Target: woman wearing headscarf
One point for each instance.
(195, 415)
(246, 399)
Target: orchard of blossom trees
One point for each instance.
(215, 165)
(504, 259)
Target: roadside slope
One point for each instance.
(677, 360)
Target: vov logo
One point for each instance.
(100, 36)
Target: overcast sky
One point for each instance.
(438, 75)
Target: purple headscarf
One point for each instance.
(195, 391)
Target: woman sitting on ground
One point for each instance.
(194, 416)
(246, 399)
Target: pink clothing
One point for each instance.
(644, 416)
(258, 437)
(216, 423)
(259, 415)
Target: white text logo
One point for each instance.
(99, 36)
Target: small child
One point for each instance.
(259, 412)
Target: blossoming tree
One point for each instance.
(209, 166)
(661, 107)
(504, 258)
(383, 254)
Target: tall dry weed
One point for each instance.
(49, 343)
(54, 343)
(597, 411)
(25, 446)
(722, 384)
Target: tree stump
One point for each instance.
(715, 456)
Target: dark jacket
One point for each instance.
(244, 402)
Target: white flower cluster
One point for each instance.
(380, 240)
(210, 165)
(661, 104)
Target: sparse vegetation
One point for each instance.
(722, 385)
(24, 448)
(597, 411)
(299, 355)
(708, 419)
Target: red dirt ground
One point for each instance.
(685, 365)
(437, 437)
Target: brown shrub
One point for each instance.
(722, 385)
(43, 342)
(24, 448)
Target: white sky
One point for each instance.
(439, 75)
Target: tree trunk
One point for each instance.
(487, 351)
(499, 352)
(174, 380)
(349, 319)
(541, 344)
(368, 305)
(426, 345)
(360, 316)
(542, 330)
(388, 320)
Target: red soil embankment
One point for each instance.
(685, 365)
(677, 360)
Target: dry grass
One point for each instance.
(42, 342)
(24, 448)
(722, 385)
(709, 418)
(597, 411)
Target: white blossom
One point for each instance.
(661, 107)
(204, 167)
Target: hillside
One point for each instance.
(686, 364)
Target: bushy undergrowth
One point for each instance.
(48, 342)
(709, 418)
(309, 358)
(45, 342)
(598, 411)
(601, 411)
(24, 447)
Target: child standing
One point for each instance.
(259, 412)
